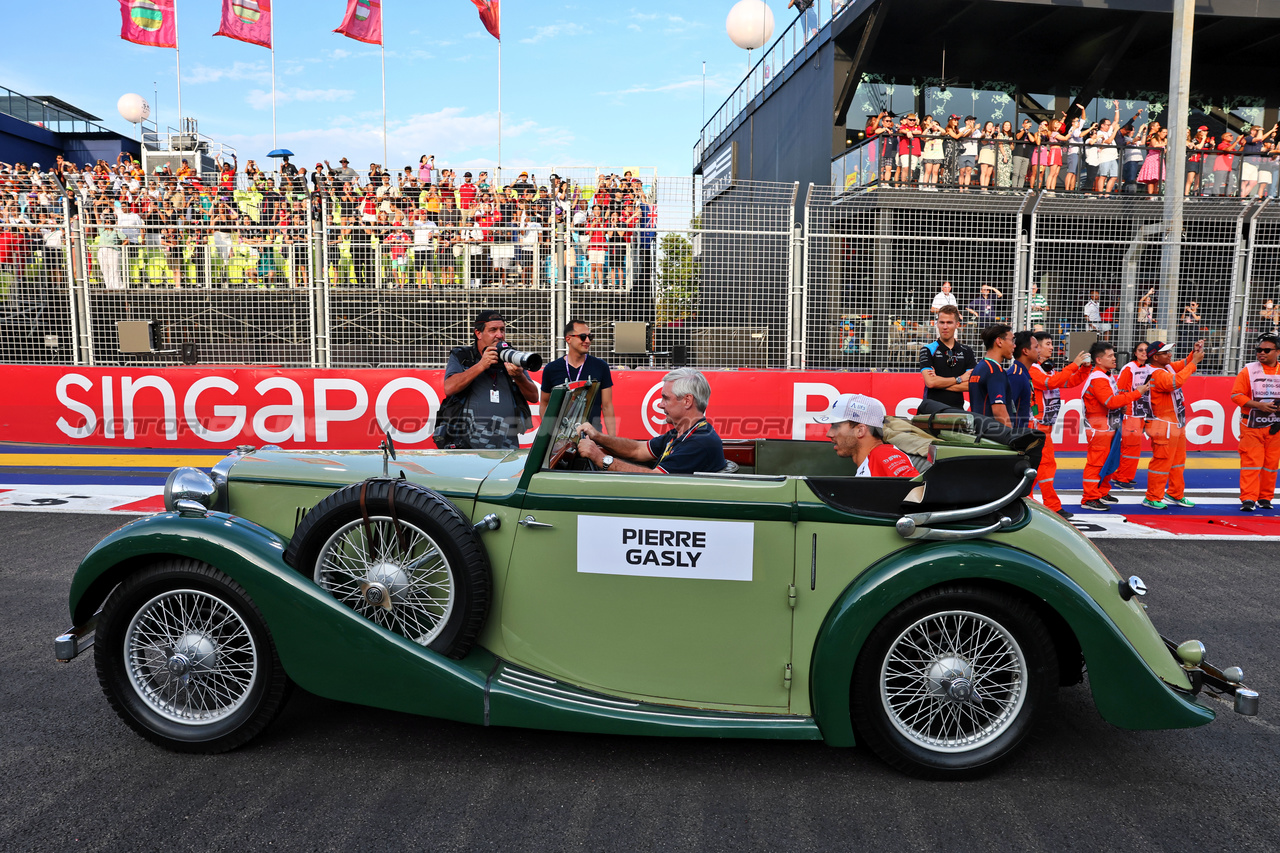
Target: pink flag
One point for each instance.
(490, 16)
(246, 20)
(363, 21)
(148, 22)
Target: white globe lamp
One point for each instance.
(133, 108)
(749, 24)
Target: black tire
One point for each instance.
(429, 583)
(185, 615)
(944, 711)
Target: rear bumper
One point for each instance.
(75, 641)
(1204, 676)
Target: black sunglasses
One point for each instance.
(584, 338)
(1266, 349)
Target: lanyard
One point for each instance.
(679, 438)
(577, 376)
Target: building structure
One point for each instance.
(806, 101)
(35, 129)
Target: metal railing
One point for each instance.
(727, 281)
(44, 114)
(933, 161)
(774, 63)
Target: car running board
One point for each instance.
(514, 696)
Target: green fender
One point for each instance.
(326, 648)
(1126, 691)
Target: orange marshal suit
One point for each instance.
(1259, 447)
(1046, 403)
(1167, 429)
(1104, 407)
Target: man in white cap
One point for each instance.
(857, 431)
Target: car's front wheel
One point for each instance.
(186, 660)
(951, 681)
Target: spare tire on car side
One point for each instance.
(402, 556)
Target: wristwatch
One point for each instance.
(606, 462)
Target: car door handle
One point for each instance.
(530, 521)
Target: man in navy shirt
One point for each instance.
(690, 446)
(579, 365)
(1026, 352)
(946, 364)
(989, 388)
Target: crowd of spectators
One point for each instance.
(1070, 154)
(245, 226)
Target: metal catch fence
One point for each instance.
(1259, 299)
(878, 265)
(1102, 268)
(666, 271)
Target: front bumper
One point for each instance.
(1205, 676)
(75, 641)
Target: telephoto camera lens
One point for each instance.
(522, 360)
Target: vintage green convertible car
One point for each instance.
(934, 618)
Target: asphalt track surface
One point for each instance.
(333, 776)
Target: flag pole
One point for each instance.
(274, 144)
(499, 174)
(384, 102)
(177, 58)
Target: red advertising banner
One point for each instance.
(219, 407)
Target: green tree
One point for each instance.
(677, 282)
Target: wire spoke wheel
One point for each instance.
(185, 658)
(401, 556)
(953, 681)
(190, 657)
(399, 579)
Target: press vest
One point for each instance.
(1141, 406)
(1179, 405)
(1115, 417)
(1052, 398)
(1262, 387)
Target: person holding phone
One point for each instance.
(1166, 425)
(1104, 408)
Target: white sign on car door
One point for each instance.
(666, 548)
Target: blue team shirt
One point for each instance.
(699, 449)
(989, 386)
(951, 363)
(1018, 380)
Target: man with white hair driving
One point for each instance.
(690, 446)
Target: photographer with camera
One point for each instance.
(487, 391)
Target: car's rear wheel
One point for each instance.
(186, 660)
(403, 557)
(950, 682)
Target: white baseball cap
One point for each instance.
(855, 408)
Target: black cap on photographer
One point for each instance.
(486, 317)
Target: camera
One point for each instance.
(522, 360)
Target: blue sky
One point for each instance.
(609, 84)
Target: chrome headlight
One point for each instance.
(189, 489)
